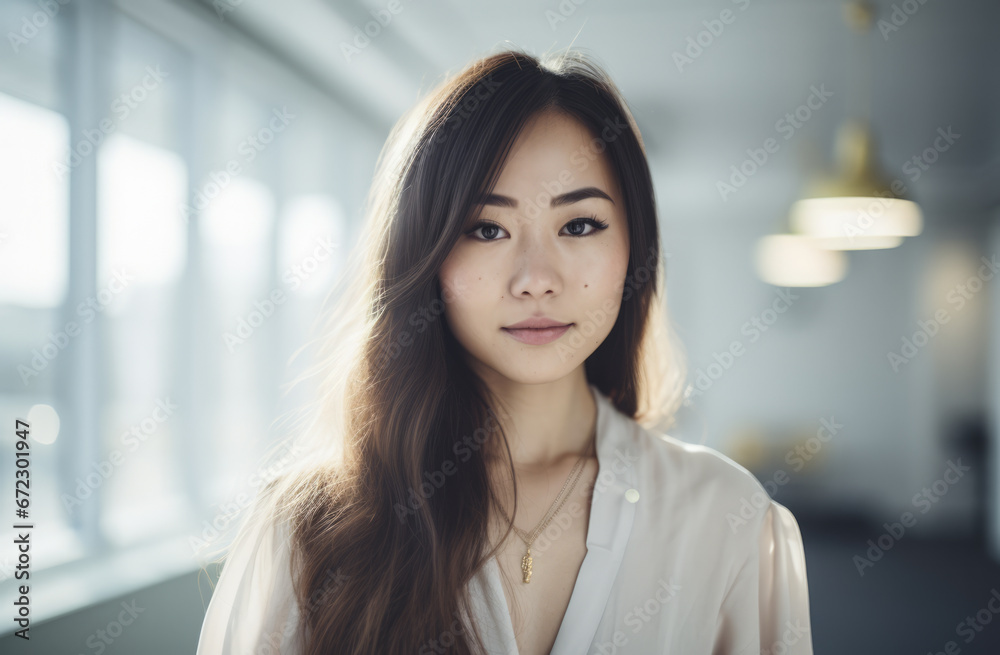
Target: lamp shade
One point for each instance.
(794, 260)
(858, 208)
(851, 220)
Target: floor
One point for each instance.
(912, 601)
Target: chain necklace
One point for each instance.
(529, 539)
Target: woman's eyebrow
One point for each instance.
(564, 199)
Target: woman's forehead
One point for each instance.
(555, 154)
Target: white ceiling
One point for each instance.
(939, 69)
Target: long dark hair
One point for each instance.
(391, 495)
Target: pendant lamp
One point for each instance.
(858, 207)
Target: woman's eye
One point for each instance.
(489, 231)
(578, 227)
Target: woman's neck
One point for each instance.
(546, 423)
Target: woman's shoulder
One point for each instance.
(665, 462)
(687, 463)
(702, 480)
(699, 495)
(254, 602)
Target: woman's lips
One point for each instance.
(537, 336)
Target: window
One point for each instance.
(34, 234)
(141, 250)
(188, 211)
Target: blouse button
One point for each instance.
(632, 495)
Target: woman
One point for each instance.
(487, 468)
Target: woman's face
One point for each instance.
(535, 254)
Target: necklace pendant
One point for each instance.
(526, 566)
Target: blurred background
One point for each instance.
(180, 181)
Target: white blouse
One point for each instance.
(686, 553)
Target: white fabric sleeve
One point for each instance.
(253, 610)
(766, 609)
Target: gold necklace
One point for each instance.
(564, 493)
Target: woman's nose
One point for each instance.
(536, 272)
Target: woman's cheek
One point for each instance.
(460, 287)
(460, 298)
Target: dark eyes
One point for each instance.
(577, 228)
